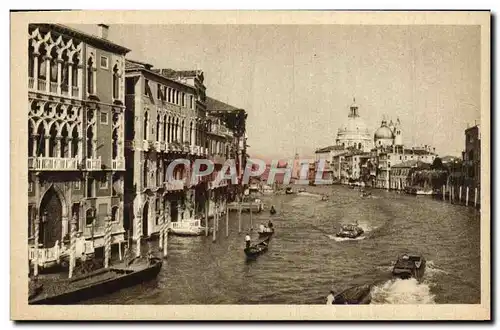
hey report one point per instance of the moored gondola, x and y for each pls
(97, 283)
(257, 249)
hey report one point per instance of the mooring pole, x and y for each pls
(467, 196)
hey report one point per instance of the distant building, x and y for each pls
(354, 132)
(472, 157)
(400, 174)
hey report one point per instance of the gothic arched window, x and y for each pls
(90, 76)
(116, 82)
(146, 125)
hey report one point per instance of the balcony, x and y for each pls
(118, 164)
(157, 146)
(145, 145)
(174, 185)
(218, 159)
(93, 164)
(52, 164)
(53, 87)
(42, 85)
(74, 91)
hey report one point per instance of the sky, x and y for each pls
(297, 81)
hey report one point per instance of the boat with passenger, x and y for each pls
(409, 266)
(257, 249)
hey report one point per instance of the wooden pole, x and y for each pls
(207, 205)
(72, 256)
(460, 194)
(239, 216)
(227, 220)
(165, 232)
(160, 232)
(251, 219)
(107, 242)
(444, 192)
(467, 196)
(450, 191)
(120, 250)
(214, 237)
(475, 197)
(37, 224)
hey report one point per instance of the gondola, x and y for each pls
(97, 283)
(257, 249)
(266, 233)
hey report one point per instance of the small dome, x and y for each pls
(383, 132)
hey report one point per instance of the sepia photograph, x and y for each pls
(253, 163)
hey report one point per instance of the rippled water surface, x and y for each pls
(305, 259)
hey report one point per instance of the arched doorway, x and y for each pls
(50, 219)
(145, 213)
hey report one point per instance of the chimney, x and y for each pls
(103, 31)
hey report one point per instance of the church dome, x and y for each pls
(383, 132)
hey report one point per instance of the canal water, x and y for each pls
(305, 259)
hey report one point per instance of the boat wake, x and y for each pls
(308, 194)
(343, 239)
(398, 291)
(432, 269)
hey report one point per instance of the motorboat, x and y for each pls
(189, 227)
(356, 295)
(409, 266)
(350, 231)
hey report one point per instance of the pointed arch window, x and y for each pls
(90, 76)
(116, 82)
(158, 128)
(146, 125)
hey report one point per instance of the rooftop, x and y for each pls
(412, 163)
(216, 105)
(329, 148)
(88, 38)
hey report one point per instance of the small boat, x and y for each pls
(356, 295)
(366, 194)
(289, 191)
(98, 282)
(301, 190)
(350, 231)
(187, 228)
(272, 211)
(324, 198)
(257, 249)
(266, 232)
(267, 190)
(408, 266)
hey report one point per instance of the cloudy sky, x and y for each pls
(297, 81)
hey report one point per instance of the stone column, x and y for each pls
(59, 65)
(69, 142)
(35, 71)
(47, 141)
(58, 152)
(35, 143)
(47, 73)
(72, 256)
(79, 80)
(70, 78)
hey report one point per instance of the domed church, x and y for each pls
(354, 132)
(388, 134)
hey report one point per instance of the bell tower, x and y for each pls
(354, 109)
(398, 135)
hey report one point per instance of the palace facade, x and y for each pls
(76, 163)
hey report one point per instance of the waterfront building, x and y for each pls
(472, 157)
(75, 140)
(400, 174)
(165, 121)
